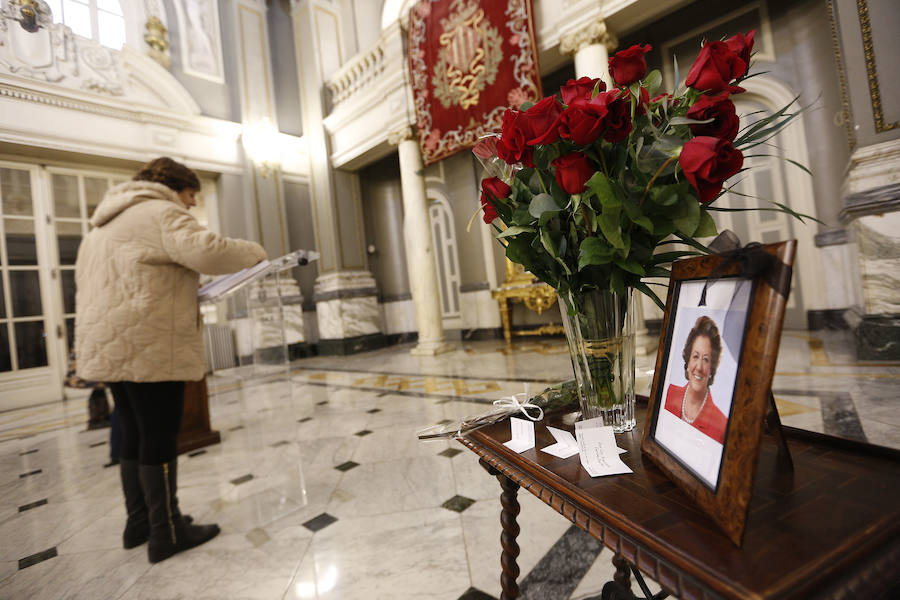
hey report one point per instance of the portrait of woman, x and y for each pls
(693, 403)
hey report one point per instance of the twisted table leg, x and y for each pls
(510, 505)
(623, 571)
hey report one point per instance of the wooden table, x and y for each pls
(828, 529)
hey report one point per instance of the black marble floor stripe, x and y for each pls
(96, 444)
(34, 504)
(196, 453)
(242, 479)
(32, 451)
(27, 474)
(560, 571)
(446, 397)
(549, 382)
(37, 557)
(839, 414)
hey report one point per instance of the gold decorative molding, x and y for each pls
(862, 7)
(594, 32)
(158, 40)
(845, 113)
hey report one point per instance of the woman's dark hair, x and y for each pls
(705, 327)
(170, 173)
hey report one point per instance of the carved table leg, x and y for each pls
(504, 318)
(510, 505)
(623, 571)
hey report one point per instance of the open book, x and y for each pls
(226, 284)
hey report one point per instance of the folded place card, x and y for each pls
(566, 445)
(522, 435)
(597, 448)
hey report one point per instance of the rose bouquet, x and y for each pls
(586, 185)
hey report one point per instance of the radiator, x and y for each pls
(218, 341)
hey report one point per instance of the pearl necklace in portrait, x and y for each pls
(700, 410)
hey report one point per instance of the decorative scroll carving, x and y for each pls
(53, 53)
(594, 32)
(401, 135)
(520, 286)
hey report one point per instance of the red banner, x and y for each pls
(469, 60)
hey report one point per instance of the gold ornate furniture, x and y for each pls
(521, 286)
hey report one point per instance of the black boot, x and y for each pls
(137, 527)
(169, 532)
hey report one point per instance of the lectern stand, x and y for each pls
(254, 400)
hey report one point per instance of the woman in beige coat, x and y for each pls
(138, 328)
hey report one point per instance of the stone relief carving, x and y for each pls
(201, 47)
(54, 54)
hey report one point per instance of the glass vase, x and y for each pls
(600, 334)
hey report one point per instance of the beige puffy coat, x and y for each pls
(136, 277)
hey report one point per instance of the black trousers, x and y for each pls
(150, 417)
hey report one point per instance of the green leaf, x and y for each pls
(520, 252)
(686, 215)
(542, 203)
(550, 247)
(657, 272)
(630, 265)
(666, 195)
(544, 155)
(663, 258)
(611, 228)
(652, 81)
(707, 227)
(634, 214)
(603, 190)
(616, 282)
(594, 252)
(645, 289)
(514, 230)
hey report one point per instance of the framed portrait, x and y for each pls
(710, 392)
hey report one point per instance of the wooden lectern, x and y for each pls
(196, 431)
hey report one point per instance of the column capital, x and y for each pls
(401, 135)
(594, 32)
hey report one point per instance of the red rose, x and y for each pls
(618, 115)
(572, 172)
(742, 45)
(540, 121)
(715, 67)
(628, 66)
(660, 97)
(583, 122)
(513, 144)
(725, 122)
(579, 90)
(492, 190)
(707, 162)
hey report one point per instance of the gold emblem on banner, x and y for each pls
(469, 56)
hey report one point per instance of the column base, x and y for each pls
(431, 348)
(878, 337)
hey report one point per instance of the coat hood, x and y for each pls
(126, 195)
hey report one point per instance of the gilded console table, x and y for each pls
(524, 287)
(828, 529)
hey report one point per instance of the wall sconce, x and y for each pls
(262, 141)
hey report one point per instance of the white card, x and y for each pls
(522, 435)
(565, 445)
(597, 449)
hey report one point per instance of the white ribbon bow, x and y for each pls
(513, 402)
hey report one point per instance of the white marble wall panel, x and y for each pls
(399, 317)
(843, 288)
(879, 254)
(479, 310)
(348, 317)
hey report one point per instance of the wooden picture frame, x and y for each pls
(711, 459)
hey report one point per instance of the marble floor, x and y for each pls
(323, 491)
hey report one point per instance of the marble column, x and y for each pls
(419, 246)
(590, 47)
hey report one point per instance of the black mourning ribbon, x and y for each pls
(753, 262)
